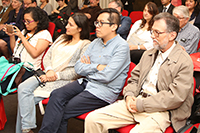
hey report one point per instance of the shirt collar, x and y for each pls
(167, 6)
(109, 41)
(184, 27)
(166, 53)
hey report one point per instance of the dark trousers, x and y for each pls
(67, 102)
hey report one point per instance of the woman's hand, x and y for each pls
(17, 32)
(55, 11)
(43, 78)
(51, 75)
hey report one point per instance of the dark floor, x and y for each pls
(10, 103)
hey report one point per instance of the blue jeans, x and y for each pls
(26, 114)
(66, 102)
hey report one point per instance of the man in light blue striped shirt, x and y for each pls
(104, 67)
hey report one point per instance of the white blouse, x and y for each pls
(144, 35)
(21, 52)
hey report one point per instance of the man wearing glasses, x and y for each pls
(189, 35)
(160, 90)
(104, 68)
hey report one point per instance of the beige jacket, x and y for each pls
(5, 16)
(174, 85)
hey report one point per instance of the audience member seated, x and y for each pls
(30, 3)
(189, 35)
(59, 64)
(73, 4)
(84, 4)
(193, 6)
(139, 38)
(46, 6)
(160, 90)
(124, 28)
(104, 68)
(60, 16)
(92, 12)
(15, 19)
(166, 6)
(5, 9)
(32, 41)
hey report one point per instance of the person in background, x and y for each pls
(141, 30)
(104, 68)
(194, 12)
(46, 6)
(84, 4)
(159, 92)
(124, 28)
(92, 12)
(15, 19)
(5, 9)
(59, 16)
(29, 3)
(73, 4)
(32, 41)
(166, 6)
(59, 64)
(189, 35)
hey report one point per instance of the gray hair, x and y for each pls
(182, 11)
(171, 21)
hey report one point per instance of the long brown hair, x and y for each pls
(153, 10)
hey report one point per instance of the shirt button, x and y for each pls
(99, 56)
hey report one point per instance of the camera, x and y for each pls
(14, 60)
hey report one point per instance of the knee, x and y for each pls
(23, 89)
(91, 118)
(2, 43)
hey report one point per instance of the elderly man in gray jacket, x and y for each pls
(159, 92)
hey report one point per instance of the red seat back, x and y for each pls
(135, 15)
(51, 28)
(124, 13)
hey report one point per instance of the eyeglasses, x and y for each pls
(100, 24)
(27, 22)
(156, 33)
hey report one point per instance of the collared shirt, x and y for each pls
(188, 37)
(149, 85)
(167, 7)
(108, 83)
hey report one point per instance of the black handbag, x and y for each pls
(37, 74)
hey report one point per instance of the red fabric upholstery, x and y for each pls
(195, 125)
(198, 45)
(136, 15)
(51, 28)
(124, 13)
(3, 118)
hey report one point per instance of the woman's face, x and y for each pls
(29, 22)
(61, 3)
(16, 4)
(147, 16)
(190, 4)
(71, 28)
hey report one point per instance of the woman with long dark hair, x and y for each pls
(193, 6)
(141, 30)
(59, 64)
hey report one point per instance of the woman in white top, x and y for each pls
(141, 29)
(59, 64)
(33, 40)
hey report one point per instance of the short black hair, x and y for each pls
(40, 16)
(114, 16)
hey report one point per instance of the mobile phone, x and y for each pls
(9, 28)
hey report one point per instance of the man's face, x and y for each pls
(165, 2)
(182, 20)
(104, 30)
(5, 3)
(28, 3)
(159, 35)
(115, 6)
(94, 2)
